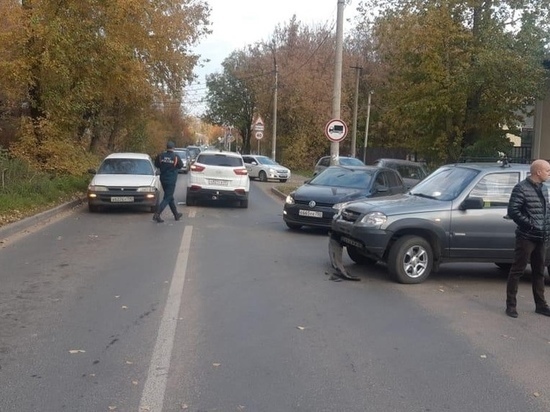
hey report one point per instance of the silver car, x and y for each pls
(264, 168)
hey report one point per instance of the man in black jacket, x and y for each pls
(169, 163)
(528, 208)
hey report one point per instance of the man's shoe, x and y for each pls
(512, 312)
(157, 218)
(178, 216)
(543, 311)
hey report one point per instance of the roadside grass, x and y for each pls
(25, 193)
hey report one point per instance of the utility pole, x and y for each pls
(337, 87)
(356, 103)
(276, 86)
(367, 129)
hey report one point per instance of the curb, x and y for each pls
(278, 193)
(23, 224)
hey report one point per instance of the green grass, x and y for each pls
(34, 193)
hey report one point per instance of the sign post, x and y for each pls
(259, 128)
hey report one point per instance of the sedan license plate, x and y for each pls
(218, 182)
(122, 199)
(310, 213)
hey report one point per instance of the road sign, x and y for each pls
(336, 130)
(259, 135)
(259, 125)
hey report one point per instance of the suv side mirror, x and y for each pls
(472, 202)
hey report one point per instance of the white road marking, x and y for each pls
(152, 397)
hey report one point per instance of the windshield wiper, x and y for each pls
(424, 195)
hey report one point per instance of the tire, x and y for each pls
(504, 266)
(283, 180)
(358, 258)
(93, 208)
(410, 260)
(243, 204)
(262, 176)
(293, 226)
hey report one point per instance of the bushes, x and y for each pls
(24, 191)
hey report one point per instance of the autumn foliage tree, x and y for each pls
(87, 73)
(455, 72)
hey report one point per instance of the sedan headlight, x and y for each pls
(148, 189)
(289, 200)
(93, 188)
(373, 219)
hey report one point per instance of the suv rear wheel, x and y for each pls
(410, 259)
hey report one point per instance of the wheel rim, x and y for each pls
(415, 261)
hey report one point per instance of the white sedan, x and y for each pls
(264, 168)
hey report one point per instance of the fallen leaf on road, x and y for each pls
(135, 382)
(483, 356)
(300, 327)
(216, 364)
(124, 307)
(112, 408)
(129, 362)
(73, 351)
(536, 394)
(117, 296)
(184, 406)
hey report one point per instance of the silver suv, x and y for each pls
(455, 214)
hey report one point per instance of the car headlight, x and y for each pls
(148, 189)
(289, 200)
(373, 219)
(93, 188)
(271, 171)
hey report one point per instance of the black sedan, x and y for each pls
(312, 204)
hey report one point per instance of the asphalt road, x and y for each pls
(228, 310)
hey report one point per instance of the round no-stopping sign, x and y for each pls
(259, 135)
(336, 130)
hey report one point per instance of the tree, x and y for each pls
(456, 72)
(95, 66)
(230, 99)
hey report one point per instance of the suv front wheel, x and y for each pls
(410, 259)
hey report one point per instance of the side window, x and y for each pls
(247, 159)
(381, 180)
(325, 161)
(394, 180)
(495, 189)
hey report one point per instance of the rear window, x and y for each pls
(219, 159)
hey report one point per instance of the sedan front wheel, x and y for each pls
(410, 259)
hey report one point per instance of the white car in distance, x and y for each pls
(265, 168)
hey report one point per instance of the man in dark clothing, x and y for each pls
(528, 208)
(169, 163)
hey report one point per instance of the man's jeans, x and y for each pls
(525, 251)
(168, 199)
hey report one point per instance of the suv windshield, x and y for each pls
(342, 177)
(445, 184)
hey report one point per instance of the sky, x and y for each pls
(238, 23)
